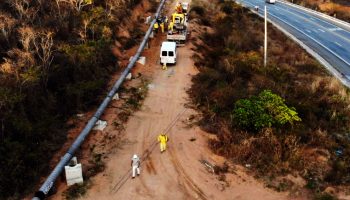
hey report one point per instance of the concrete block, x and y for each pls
(142, 60)
(116, 97)
(80, 115)
(100, 125)
(74, 172)
(148, 19)
(128, 77)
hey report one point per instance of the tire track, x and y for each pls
(187, 179)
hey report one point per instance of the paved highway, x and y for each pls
(329, 41)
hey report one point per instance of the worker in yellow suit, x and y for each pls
(163, 139)
(162, 26)
(156, 27)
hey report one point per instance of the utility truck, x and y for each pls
(270, 1)
(177, 29)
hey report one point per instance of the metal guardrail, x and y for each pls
(319, 58)
(47, 185)
(342, 24)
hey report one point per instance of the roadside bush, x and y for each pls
(263, 111)
(254, 125)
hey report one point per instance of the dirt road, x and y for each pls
(177, 173)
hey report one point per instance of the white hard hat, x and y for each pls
(135, 156)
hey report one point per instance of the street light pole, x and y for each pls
(265, 39)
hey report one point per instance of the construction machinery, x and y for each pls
(177, 28)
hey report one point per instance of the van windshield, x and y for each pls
(171, 53)
(164, 53)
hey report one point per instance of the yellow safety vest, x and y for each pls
(162, 138)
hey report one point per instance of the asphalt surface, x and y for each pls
(331, 42)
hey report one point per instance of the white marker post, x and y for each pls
(265, 40)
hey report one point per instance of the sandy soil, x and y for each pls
(178, 173)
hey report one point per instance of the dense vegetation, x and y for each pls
(288, 117)
(55, 58)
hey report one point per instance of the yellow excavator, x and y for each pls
(177, 28)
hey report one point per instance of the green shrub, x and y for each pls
(266, 110)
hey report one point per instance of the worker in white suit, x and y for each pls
(135, 164)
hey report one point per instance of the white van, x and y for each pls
(168, 53)
(270, 1)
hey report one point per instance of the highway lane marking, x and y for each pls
(335, 29)
(316, 24)
(312, 18)
(321, 30)
(315, 40)
(308, 30)
(302, 12)
(338, 44)
(277, 9)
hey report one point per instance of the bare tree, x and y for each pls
(23, 9)
(6, 25)
(79, 4)
(17, 63)
(27, 37)
(43, 45)
(58, 4)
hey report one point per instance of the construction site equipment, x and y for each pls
(49, 182)
(168, 53)
(177, 29)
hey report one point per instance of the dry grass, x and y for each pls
(232, 69)
(337, 8)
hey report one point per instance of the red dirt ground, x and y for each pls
(177, 173)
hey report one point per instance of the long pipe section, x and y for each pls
(45, 188)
